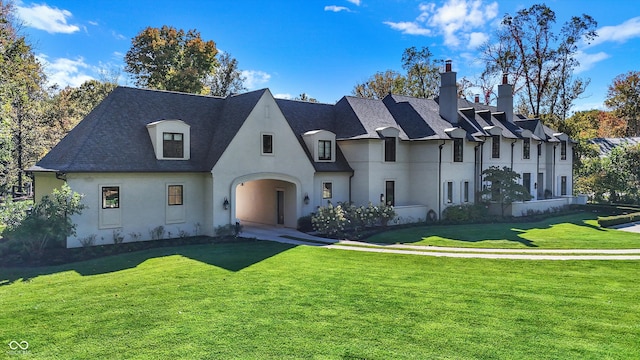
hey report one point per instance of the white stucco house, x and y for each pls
(145, 158)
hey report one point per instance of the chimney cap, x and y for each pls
(447, 65)
(476, 99)
(505, 79)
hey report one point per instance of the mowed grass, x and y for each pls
(262, 300)
(574, 231)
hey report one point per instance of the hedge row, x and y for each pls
(608, 221)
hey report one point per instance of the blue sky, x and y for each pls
(322, 48)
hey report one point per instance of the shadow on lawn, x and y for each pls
(473, 233)
(229, 256)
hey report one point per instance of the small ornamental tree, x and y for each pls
(503, 187)
(49, 223)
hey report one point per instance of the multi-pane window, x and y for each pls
(390, 192)
(563, 150)
(465, 191)
(175, 195)
(324, 150)
(390, 149)
(457, 150)
(110, 197)
(526, 148)
(526, 181)
(327, 190)
(267, 144)
(563, 185)
(449, 192)
(495, 146)
(172, 145)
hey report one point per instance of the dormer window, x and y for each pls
(321, 145)
(563, 150)
(526, 148)
(458, 147)
(170, 139)
(172, 145)
(324, 150)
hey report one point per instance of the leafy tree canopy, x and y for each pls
(170, 59)
(503, 186)
(623, 98)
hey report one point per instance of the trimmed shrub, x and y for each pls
(305, 224)
(464, 213)
(609, 221)
(332, 220)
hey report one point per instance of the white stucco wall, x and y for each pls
(44, 183)
(143, 205)
(340, 189)
(243, 161)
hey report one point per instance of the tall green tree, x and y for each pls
(423, 73)
(170, 59)
(503, 187)
(22, 94)
(422, 78)
(623, 98)
(540, 61)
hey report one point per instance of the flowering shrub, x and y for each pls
(329, 220)
(332, 220)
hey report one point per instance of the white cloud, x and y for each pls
(94, 23)
(454, 20)
(587, 61)
(255, 78)
(283, 96)
(117, 35)
(618, 33)
(355, 2)
(336, 8)
(65, 72)
(476, 39)
(49, 19)
(410, 28)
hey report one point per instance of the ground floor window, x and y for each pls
(110, 197)
(327, 190)
(563, 185)
(465, 191)
(449, 192)
(175, 195)
(390, 192)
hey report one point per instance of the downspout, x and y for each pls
(350, 180)
(513, 143)
(553, 173)
(538, 154)
(476, 167)
(440, 180)
(481, 169)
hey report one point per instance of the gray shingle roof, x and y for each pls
(114, 138)
(608, 144)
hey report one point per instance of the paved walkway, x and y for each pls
(294, 237)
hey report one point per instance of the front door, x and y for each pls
(280, 206)
(526, 181)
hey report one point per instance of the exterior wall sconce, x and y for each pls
(382, 198)
(225, 204)
(306, 199)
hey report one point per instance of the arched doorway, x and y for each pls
(269, 199)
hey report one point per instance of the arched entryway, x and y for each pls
(270, 199)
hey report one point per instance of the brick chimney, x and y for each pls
(476, 99)
(505, 98)
(448, 99)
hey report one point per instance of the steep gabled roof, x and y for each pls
(306, 116)
(114, 138)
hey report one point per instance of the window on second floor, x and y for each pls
(172, 145)
(563, 150)
(458, 150)
(495, 146)
(390, 149)
(267, 144)
(324, 149)
(526, 148)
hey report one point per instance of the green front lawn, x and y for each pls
(575, 231)
(262, 300)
